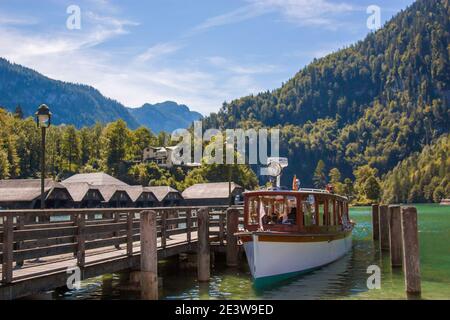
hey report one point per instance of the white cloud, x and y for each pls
(158, 50)
(300, 12)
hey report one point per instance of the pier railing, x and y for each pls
(80, 233)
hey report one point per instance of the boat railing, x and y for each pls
(313, 190)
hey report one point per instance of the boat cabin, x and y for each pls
(295, 211)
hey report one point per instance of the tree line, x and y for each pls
(111, 148)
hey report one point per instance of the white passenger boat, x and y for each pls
(292, 232)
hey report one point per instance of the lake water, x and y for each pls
(344, 279)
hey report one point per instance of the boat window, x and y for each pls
(253, 211)
(330, 212)
(309, 218)
(272, 210)
(321, 214)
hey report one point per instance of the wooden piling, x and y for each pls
(411, 258)
(375, 223)
(203, 252)
(383, 215)
(232, 241)
(149, 256)
(395, 235)
(8, 247)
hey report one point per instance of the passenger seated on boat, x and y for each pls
(292, 216)
(266, 219)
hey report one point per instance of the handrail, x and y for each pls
(21, 240)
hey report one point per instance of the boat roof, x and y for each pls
(302, 191)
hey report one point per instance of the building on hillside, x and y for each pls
(163, 157)
(212, 194)
(142, 197)
(84, 195)
(26, 194)
(167, 196)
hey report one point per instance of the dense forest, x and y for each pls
(374, 103)
(112, 148)
(422, 177)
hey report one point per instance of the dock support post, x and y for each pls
(375, 223)
(8, 247)
(203, 253)
(395, 235)
(411, 258)
(232, 242)
(149, 256)
(384, 227)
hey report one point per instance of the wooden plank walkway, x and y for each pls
(115, 245)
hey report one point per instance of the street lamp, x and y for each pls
(43, 119)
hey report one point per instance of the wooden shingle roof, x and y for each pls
(162, 192)
(135, 192)
(78, 190)
(25, 190)
(96, 179)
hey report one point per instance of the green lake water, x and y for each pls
(343, 279)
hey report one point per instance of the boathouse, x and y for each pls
(211, 194)
(142, 197)
(84, 195)
(167, 196)
(26, 194)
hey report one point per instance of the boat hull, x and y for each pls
(279, 257)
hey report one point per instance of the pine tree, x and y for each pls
(319, 175)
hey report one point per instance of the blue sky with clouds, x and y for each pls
(197, 52)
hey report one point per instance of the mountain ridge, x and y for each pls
(373, 103)
(75, 103)
(165, 116)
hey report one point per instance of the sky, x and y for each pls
(195, 52)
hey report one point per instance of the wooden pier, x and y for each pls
(35, 257)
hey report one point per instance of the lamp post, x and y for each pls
(43, 117)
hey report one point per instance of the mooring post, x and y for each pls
(375, 223)
(149, 256)
(395, 235)
(411, 258)
(8, 248)
(232, 242)
(203, 253)
(384, 227)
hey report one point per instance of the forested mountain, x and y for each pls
(422, 177)
(373, 103)
(70, 103)
(81, 105)
(166, 116)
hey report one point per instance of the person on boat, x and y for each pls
(293, 215)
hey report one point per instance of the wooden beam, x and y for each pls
(8, 247)
(232, 241)
(411, 257)
(81, 250)
(395, 235)
(384, 227)
(149, 256)
(203, 252)
(375, 223)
